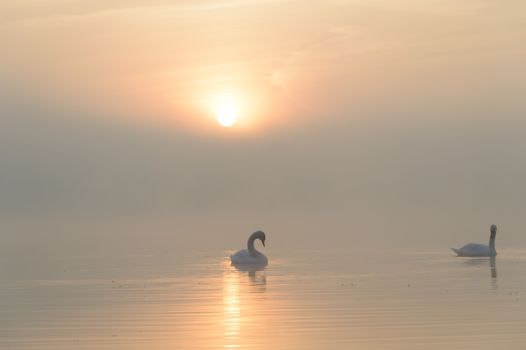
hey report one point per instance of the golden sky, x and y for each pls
(285, 61)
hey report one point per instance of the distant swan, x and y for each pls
(475, 249)
(251, 256)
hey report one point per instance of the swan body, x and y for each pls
(475, 249)
(251, 256)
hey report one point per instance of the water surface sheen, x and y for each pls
(308, 300)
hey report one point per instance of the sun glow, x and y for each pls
(227, 114)
(227, 110)
(237, 110)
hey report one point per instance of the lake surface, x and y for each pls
(303, 300)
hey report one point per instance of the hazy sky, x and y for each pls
(385, 122)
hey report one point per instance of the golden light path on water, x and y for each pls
(232, 317)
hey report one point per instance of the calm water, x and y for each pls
(304, 300)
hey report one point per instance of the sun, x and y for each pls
(226, 111)
(227, 115)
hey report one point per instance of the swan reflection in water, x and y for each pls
(482, 261)
(256, 276)
(492, 268)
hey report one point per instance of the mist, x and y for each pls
(69, 184)
(371, 137)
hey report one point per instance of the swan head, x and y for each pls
(493, 230)
(260, 235)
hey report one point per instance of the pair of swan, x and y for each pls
(251, 256)
(475, 249)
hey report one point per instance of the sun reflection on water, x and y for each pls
(231, 310)
(241, 287)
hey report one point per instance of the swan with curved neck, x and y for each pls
(251, 256)
(475, 249)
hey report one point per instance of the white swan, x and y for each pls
(251, 256)
(475, 249)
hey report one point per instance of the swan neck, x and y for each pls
(492, 245)
(250, 245)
